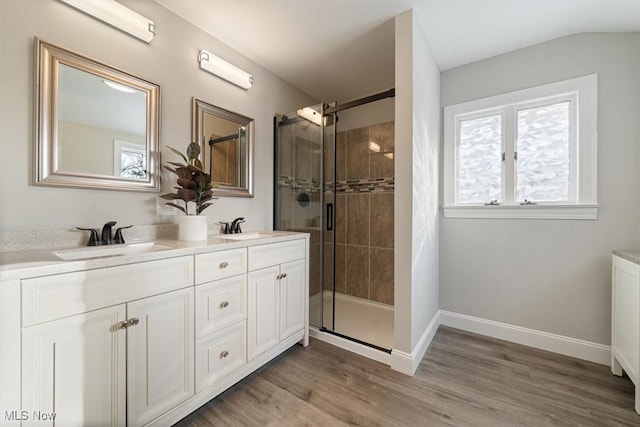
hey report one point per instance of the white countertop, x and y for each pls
(35, 263)
(633, 256)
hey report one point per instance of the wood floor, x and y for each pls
(463, 380)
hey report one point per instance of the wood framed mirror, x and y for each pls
(226, 140)
(96, 126)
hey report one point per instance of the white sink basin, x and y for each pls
(245, 236)
(110, 250)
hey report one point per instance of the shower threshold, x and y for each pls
(329, 331)
(353, 346)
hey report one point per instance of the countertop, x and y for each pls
(633, 256)
(35, 263)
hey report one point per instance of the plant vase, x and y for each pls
(192, 228)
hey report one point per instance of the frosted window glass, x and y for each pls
(132, 164)
(479, 160)
(543, 153)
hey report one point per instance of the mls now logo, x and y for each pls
(26, 415)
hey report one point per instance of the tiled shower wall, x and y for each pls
(364, 205)
(364, 214)
(224, 163)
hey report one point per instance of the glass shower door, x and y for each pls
(335, 180)
(361, 198)
(298, 195)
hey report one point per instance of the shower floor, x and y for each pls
(365, 320)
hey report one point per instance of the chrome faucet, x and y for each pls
(105, 237)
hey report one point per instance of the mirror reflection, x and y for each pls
(96, 126)
(226, 148)
(101, 126)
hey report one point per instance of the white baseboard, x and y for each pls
(408, 363)
(567, 346)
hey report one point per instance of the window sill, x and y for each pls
(523, 212)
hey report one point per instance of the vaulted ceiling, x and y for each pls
(344, 49)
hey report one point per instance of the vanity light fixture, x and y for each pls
(310, 114)
(221, 68)
(118, 16)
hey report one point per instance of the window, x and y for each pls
(129, 160)
(525, 154)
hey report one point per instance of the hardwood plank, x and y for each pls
(464, 380)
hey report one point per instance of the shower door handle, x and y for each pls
(329, 216)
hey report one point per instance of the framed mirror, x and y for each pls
(226, 142)
(96, 126)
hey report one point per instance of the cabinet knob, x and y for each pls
(123, 324)
(133, 321)
(224, 264)
(224, 354)
(284, 275)
(224, 304)
(279, 276)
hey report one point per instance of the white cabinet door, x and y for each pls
(292, 295)
(75, 368)
(263, 308)
(159, 355)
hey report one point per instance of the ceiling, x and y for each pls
(344, 49)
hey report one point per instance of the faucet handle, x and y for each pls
(238, 229)
(93, 237)
(118, 237)
(226, 226)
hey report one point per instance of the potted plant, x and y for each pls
(193, 187)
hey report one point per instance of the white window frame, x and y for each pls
(582, 92)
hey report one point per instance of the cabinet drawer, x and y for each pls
(219, 354)
(53, 297)
(276, 253)
(220, 304)
(218, 265)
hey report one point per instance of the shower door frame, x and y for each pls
(333, 109)
(326, 218)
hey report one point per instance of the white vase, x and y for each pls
(192, 227)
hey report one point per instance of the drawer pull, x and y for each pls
(126, 323)
(224, 354)
(224, 264)
(224, 304)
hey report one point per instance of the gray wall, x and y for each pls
(170, 60)
(552, 275)
(416, 183)
(425, 218)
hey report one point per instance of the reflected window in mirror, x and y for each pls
(226, 140)
(96, 126)
(129, 160)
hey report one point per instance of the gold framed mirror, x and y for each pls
(96, 126)
(226, 140)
